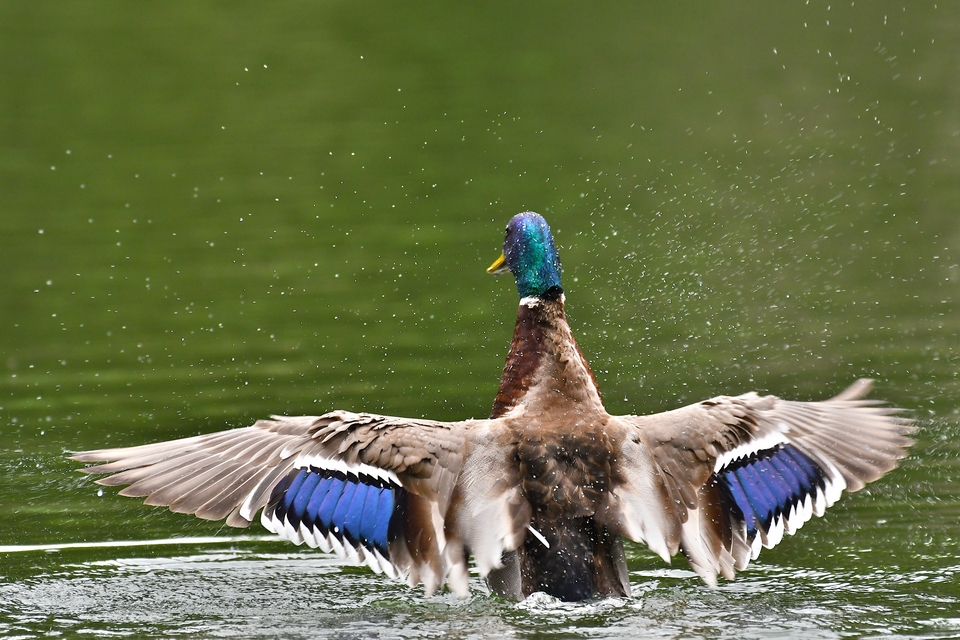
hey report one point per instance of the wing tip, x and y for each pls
(98, 455)
(91, 470)
(856, 391)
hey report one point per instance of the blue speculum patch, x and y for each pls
(358, 508)
(769, 484)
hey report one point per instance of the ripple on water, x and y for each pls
(236, 592)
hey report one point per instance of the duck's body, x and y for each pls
(542, 492)
(558, 435)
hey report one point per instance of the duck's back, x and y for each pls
(567, 553)
(559, 445)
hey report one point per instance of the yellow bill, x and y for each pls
(499, 266)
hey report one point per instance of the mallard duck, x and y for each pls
(541, 493)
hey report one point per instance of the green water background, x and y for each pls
(210, 213)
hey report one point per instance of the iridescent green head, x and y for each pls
(530, 255)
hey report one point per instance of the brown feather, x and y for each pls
(523, 359)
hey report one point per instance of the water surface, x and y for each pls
(213, 214)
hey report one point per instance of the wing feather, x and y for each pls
(737, 473)
(400, 473)
(492, 513)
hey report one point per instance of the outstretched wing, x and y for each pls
(720, 479)
(374, 489)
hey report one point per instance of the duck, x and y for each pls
(543, 492)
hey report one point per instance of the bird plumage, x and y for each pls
(542, 492)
